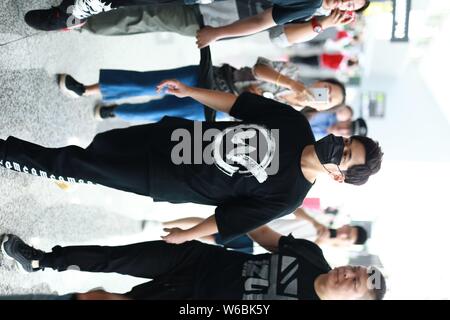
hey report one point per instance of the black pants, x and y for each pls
(173, 268)
(118, 159)
(313, 61)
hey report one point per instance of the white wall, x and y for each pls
(408, 199)
(414, 128)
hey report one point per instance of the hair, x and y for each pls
(350, 109)
(359, 174)
(340, 85)
(309, 112)
(361, 235)
(364, 7)
(377, 292)
(359, 127)
(344, 106)
(353, 62)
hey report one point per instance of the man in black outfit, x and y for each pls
(254, 171)
(295, 270)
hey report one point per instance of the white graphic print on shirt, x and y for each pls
(246, 141)
(274, 279)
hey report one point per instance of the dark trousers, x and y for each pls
(123, 3)
(89, 9)
(129, 3)
(173, 268)
(313, 61)
(118, 159)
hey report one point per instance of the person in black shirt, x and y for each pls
(74, 13)
(254, 171)
(296, 270)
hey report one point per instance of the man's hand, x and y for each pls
(206, 36)
(302, 93)
(336, 18)
(174, 87)
(176, 236)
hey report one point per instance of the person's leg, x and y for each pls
(84, 9)
(155, 110)
(74, 89)
(173, 268)
(38, 296)
(119, 84)
(183, 285)
(72, 14)
(93, 90)
(175, 18)
(171, 288)
(153, 259)
(116, 159)
(313, 61)
(122, 84)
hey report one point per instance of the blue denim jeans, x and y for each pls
(118, 84)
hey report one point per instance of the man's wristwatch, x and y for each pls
(317, 27)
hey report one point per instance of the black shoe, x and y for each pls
(70, 87)
(14, 248)
(53, 19)
(104, 112)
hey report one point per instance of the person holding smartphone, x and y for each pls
(281, 81)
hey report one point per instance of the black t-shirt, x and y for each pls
(251, 169)
(287, 275)
(285, 11)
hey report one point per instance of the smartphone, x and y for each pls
(321, 95)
